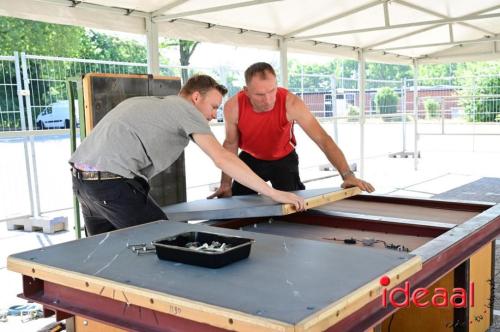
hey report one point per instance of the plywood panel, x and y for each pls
(414, 319)
(87, 325)
(399, 211)
(480, 274)
(102, 92)
(328, 234)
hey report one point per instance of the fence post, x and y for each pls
(403, 110)
(302, 81)
(23, 128)
(441, 107)
(333, 87)
(415, 112)
(34, 192)
(362, 116)
(474, 109)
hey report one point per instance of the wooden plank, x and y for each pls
(143, 76)
(355, 300)
(415, 319)
(323, 199)
(249, 206)
(327, 234)
(87, 325)
(87, 98)
(181, 307)
(400, 211)
(480, 273)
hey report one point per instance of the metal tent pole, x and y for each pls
(283, 62)
(153, 46)
(362, 117)
(415, 112)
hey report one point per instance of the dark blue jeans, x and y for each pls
(108, 205)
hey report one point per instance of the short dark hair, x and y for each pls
(259, 68)
(202, 84)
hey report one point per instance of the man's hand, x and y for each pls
(352, 181)
(223, 191)
(287, 197)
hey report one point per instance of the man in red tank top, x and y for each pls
(259, 120)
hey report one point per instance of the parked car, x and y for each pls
(220, 114)
(56, 115)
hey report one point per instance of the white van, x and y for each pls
(56, 115)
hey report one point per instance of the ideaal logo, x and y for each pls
(458, 298)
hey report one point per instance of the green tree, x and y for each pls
(186, 50)
(467, 69)
(36, 38)
(437, 70)
(387, 102)
(382, 71)
(484, 107)
(353, 113)
(340, 68)
(431, 108)
(99, 46)
(40, 38)
(479, 90)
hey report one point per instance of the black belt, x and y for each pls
(96, 176)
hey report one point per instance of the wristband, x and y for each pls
(346, 174)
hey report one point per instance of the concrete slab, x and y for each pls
(443, 183)
(44, 224)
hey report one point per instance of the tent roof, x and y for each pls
(391, 31)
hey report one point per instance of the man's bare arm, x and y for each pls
(232, 165)
(298, 111)
(230, 144)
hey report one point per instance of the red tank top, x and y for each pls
(265, 135)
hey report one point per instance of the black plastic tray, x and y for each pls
(173, 248)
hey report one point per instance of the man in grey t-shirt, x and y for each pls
(138, 139)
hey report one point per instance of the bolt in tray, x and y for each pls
(195, 248)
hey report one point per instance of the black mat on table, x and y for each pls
(284, 278)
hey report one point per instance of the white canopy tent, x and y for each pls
(389, 31)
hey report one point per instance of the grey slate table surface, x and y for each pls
(246, 206)
(284, 278)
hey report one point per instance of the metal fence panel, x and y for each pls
(47, 76)
(445, 106)
(15, 179)
(457, 105)
(10, 117)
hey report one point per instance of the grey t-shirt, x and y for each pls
(142, 136)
